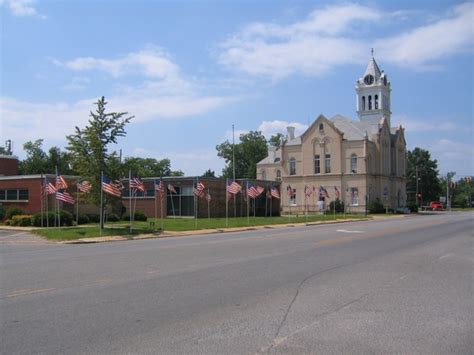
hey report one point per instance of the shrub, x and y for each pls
(376, 207)
(93, 218)
(83, 219)
(66, 218)
(22, 220)
(113, 218)
(339, 205)
(48, 218)
(8, 222)
(13, 211)
(140, 216)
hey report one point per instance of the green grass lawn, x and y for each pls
(177, 224)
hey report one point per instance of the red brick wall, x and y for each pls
(8, 166)
(34, 194)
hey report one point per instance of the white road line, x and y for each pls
(347, 231)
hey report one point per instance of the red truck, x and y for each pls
(436, 205)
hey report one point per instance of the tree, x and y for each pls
(209, 173)
(277, 140)
(38, 162)
(89, 147)
(421, 166)
(251, 149)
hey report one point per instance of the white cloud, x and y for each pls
(425, 44)
(77, 83)
(21, 7)
(270, 128)
(153, 61)
(328, 38)
(453, 156)
(192, 163)
(413, 125)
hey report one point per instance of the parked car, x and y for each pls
(436, 205)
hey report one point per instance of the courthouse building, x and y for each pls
(358, 160)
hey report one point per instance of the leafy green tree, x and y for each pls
(420, 164)
(251, 149)
(39, 162)
(89, 147)
(462, 192)
(277, 140)
(146, 167)
(209, 173)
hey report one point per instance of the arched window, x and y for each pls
(363, 103)
(376, 102)
(370, 102)
(327, 164)
(317, 164)
(354, 163)
(292, 166)
(278, 174)
(321, 127)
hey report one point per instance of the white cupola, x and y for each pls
(373, 94)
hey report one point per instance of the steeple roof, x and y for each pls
(373, 69)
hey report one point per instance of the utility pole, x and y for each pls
(416, 195)
(448, 180)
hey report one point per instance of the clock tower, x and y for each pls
(373, 94)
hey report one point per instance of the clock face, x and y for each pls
(369, 79)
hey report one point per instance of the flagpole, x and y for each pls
(57, 201)
(271, 201)
(101, 202)
(77, 202)
(226, 203)
(47, 207)
(172, 203)
(208, 204)
(130, 199)
(233, 169)
(248, 197)
(156, 193)
(42, 190)
(266, 198)
(163, 195)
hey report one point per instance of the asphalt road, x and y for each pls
(402, 285)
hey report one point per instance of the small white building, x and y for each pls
(357, 161)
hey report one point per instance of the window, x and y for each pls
(264, 175)
(327, 164)
(370, 102)
(293, 197)
(292, 166)
(363, 103)
(317, 164)
(376, 102)
(354, 196)
(278, 174)
(354, 164)
(321, 127)
(14, 195)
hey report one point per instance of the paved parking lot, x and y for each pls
(15, 237)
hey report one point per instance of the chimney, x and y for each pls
(290, 132)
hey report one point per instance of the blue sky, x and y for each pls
(188, 70)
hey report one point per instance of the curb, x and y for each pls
(203, 231)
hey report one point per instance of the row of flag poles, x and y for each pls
(114, 188)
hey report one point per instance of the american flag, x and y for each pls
(307, 191)
(84, 186)
(199, 190)
(274, 192)
(260, 189)
(137, 184)
(48, 187)
(252, 191)
(110, 188)
(336, 191)
(233, 187)
(171, 189)
(60, 182)
(160, 188)
(323, 192)
(63, 195)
